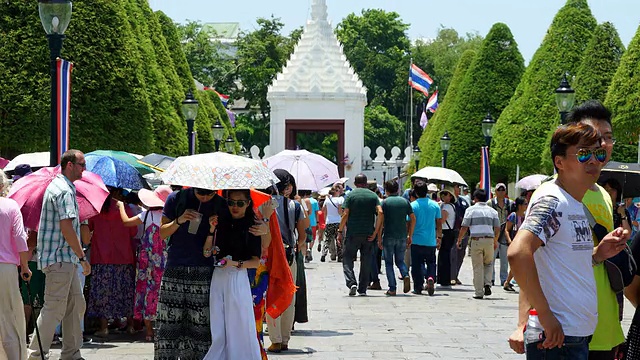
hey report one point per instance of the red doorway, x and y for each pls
(293, 127)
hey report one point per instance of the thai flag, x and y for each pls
(419, 80)
(432, 104)
(485, 171)
(63, 90)
(223, 98)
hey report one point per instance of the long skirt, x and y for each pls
(151, 263)
(259, 281)
(112, 291)
(183, 314)
(233, 328)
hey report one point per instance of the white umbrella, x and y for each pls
(531, 182)
(435, 174)
(219, 171)
(37, 159)
(311, 171)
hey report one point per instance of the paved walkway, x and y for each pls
(449, 325)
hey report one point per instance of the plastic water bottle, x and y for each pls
(533, 331)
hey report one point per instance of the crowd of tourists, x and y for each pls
(200, 271)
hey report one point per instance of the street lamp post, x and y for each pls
(445, 145)
(55, 16)
(230, 144)
(190, 111)
(565, 98)
(416, 156)
(399, 166)
(487, 129)
(384, 171)
(218, 133)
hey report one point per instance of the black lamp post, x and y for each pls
(445, 145)
(416, 156)
(55, 16)
(230, 144)
(384, 171)
(487, 129)
(190, 111)
(565, 98)
(218, 133)
(399, 166)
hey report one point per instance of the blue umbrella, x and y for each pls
(115, 173)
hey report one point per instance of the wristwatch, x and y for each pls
(82, 259)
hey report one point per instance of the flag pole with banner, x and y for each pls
(421, 81)
(485, 171)
(63, 84)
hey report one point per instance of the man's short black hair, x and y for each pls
(421, 188)
(590, 109)
(390, 187)
(480, 195)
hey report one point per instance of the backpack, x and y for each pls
(460, 206)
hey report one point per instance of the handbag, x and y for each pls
(621, 268)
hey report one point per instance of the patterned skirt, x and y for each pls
(112, 291)
(183, 313)
(259, 280)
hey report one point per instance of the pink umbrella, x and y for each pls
(3, 162)
(28, 192)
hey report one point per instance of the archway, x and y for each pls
(295, 127)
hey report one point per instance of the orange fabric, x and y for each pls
(258, 197)
(281, 286)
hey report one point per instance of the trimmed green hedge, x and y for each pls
(623, 98)
(487, 87)
(429, 142)
(521, 131)
(170, 33)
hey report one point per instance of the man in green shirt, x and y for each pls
(608, 334)
(359, 215)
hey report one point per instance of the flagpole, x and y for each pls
(411, 114)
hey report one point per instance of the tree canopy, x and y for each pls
(521, 131)
(487, 88)
(623, 98)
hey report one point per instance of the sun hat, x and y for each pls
(448, 189)
(432, 188)
(156, 198)
(501, 185)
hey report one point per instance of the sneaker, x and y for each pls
(390, 293)
(478, 297)
(86, 340)
(352, 290)
(333, 258)
(487, 290)
(323, 258)
(285, 347)
(407, 284)
(362, 294)
(430, 286)
(375, 286)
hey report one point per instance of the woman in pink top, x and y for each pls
(113, 269)
(13, 253)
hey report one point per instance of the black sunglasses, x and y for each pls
(204, 192)
(239, 203)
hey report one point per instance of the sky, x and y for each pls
(527, 19)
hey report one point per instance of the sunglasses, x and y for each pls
(204, 192)
(82, 165)
(238, 203)
(584, 155)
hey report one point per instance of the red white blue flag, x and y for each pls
(419, 80)
(485, 171)
(224, 98)
(432, 104)
(63, 85)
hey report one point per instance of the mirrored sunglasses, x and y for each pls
(585, 154)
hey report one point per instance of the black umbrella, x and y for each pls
(627, 174)
(158, 160)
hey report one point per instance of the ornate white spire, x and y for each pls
(318, 66)
(319, 10)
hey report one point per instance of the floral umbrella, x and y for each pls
(219, 171)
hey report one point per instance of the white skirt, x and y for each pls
(233, 327)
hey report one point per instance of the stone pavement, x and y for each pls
(449, 325)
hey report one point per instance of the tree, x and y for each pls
(381, 128)
(209, 60)
(521, 131)
(377, 46)
(487, 87)
(599, 63)
(623, 98)
(439, 57)
(170, 33)
(430, 140)
(109, 102)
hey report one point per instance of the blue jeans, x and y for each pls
(421, 255)
(574, 348)
(394, 249)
